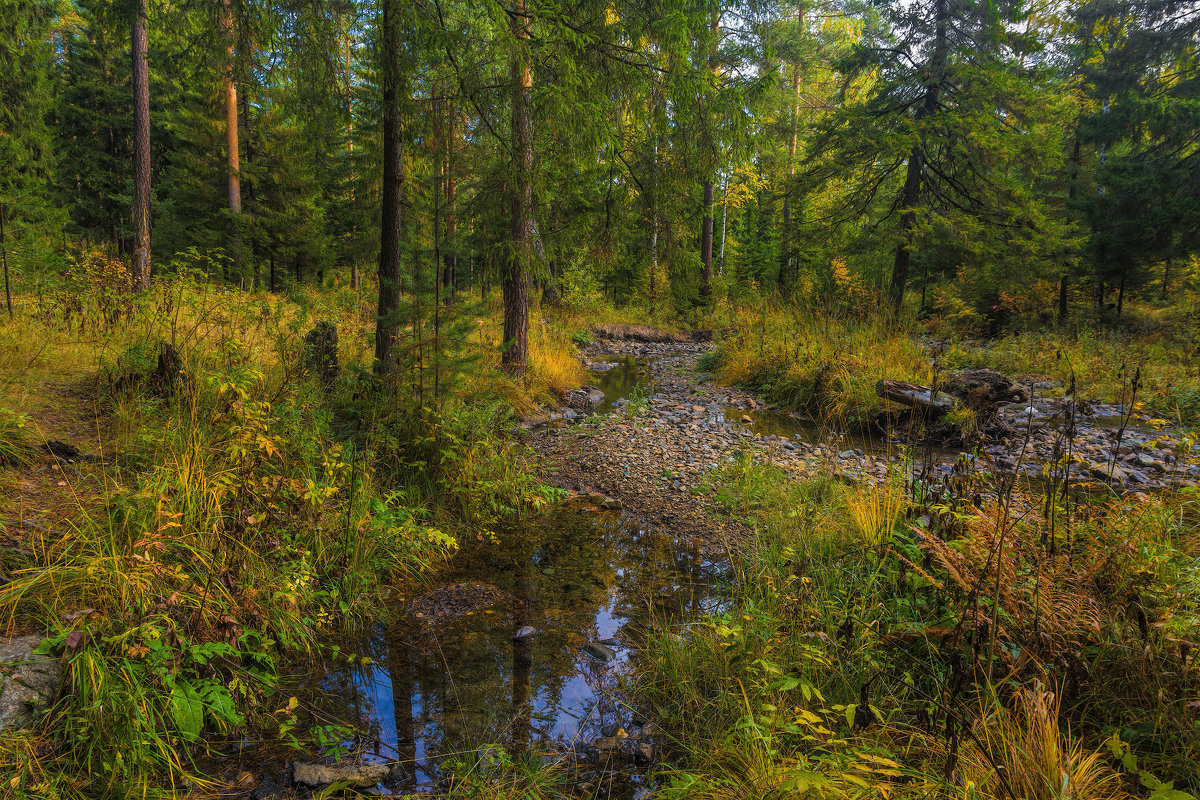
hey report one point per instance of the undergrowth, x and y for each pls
(237, 510)
(886, 642)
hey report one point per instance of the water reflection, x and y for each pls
(440, 692)
(618, 381)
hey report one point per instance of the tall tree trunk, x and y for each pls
(387, 324)
(450, 259)
(1073, 178)
(706, 241)
(231, 114)
(911, 195)
(141, 150)
(232, 157)
(786, 255)
(349, 76)
(706, 225)
(516, 272)
(653, 203)
(724, 225)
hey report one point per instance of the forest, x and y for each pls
(600, 399)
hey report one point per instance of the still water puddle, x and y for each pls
(619, 380)
(445, 687)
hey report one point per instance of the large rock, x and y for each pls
(358, 776)
(28, 682)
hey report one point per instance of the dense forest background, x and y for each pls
(982, 160)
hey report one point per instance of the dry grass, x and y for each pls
(1038, 759)
(801, 358)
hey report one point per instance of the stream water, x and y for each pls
(443, 689)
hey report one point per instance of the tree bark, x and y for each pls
(516, 272)
(141, 150)
(450, 259)
(349, 75)
(724, 225)
(706, 225)
(387, 325)
(911, 195)
(786, 256)
(706, 242)
(231, 114)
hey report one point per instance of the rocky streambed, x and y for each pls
(652, 451)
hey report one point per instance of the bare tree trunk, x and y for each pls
(516, 273)
(916, 161)
(387, 326)
(785, 267)
(141, 150)
(231, 115)
(354, 279)
(706, 241)
(450, 259)
(724, 225)
(706, 225)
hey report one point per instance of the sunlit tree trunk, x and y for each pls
(141, 150)
(516, 270)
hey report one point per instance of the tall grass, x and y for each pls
(806, 358)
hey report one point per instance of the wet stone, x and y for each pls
(600, 652)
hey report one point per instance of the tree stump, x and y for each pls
(321, 353)
(170, 374)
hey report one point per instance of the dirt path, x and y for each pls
(42, 498)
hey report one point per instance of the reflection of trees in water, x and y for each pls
(465, 682)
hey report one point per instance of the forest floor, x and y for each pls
(60, 476)
(655, 452)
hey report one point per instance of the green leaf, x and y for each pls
(188, 709)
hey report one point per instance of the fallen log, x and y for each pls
(914, 396)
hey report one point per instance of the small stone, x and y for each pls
(524, 632)
(600, 652)
(610, 504)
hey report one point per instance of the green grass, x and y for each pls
(837, 591)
